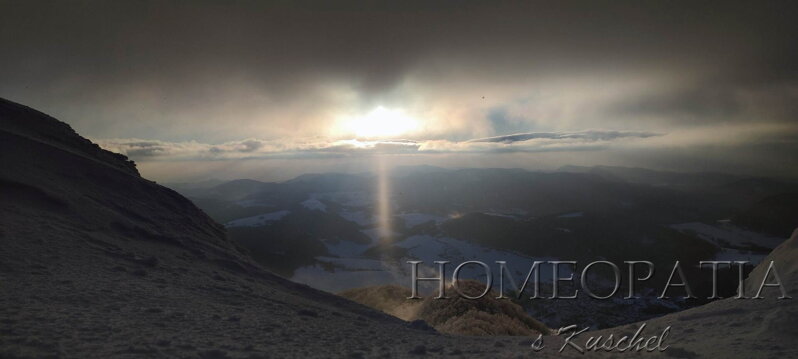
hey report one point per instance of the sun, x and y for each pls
(381, 122)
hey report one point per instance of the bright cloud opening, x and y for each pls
(381, 122)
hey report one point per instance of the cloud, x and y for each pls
(139, 149)
(280, 69)
(236, 80)
(319, 147)
(586, 135)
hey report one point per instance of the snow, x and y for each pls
(356, 264)
(314, 204)
(726, 234)
(259, 220)
(413, 219)
(512, 213)
(497, 214)
(345, 248)
(733, 240)
(360, 217)
(348, 198)
(372, 233)
(337, 274)
(253, 203)
(429, 249)
(348, 269)
(728, 254)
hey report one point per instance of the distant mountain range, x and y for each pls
(329, 221)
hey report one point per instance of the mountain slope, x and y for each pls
(99, 262)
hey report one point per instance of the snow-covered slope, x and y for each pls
(98, 262)
(738, 328)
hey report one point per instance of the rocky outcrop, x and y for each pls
(453, 315)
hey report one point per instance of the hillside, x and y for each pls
(739, 328)
(99, 262)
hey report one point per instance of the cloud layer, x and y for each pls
(195, 78)
(138, 149)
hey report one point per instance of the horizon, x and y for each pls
(163, 170)
(398, 170)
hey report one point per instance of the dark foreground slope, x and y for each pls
(97, 262)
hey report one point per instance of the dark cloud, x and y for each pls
(143, 149)
(710, 103)
(504, 122)
(217, 72)
(705, 103)
(286, 46)
(586, 135)
(250, 146)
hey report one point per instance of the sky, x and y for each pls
(193, 90)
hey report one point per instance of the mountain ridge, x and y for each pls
(91, 243)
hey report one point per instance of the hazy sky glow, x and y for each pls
(249, 89)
